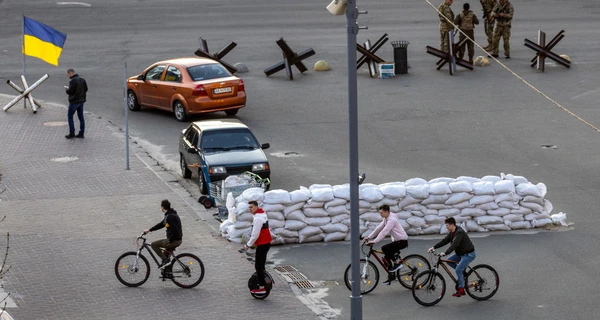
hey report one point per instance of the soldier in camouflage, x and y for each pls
(503, 14)
(466, 21)
(445, 26)
(488, 23)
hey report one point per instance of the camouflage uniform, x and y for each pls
(466, 21)
(488, 26)
(445, 26)
(502, 29)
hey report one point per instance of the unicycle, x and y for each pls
(253, 284)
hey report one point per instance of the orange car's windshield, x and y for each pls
(207, 72)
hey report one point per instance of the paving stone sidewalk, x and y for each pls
(71, 209)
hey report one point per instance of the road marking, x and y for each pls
(74, 3)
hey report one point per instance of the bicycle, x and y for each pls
(132, 268)
(412, 265)
(429, 286)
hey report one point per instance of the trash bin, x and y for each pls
(400, 56)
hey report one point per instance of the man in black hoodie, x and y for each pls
(464, 252)
(172, 222)
(76, 90)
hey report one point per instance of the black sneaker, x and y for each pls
(79, 136)
(70, 136)
(390, 279)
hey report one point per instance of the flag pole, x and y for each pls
(23, 52)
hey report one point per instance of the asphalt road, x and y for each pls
(424, 124)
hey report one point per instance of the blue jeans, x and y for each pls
(461, 264)
(76, 107)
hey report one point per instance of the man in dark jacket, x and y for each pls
(172, 222)
(76, 90)
(464, 252)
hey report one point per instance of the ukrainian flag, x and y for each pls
(42, 41)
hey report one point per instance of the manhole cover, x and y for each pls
(288, 154)
(64, 159)
(56, 123)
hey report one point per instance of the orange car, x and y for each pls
(186, 86)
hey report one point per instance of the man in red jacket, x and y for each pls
(261, 237)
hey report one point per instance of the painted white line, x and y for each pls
(74, 3)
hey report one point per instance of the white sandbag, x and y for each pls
(313, 204)
(403, 214)
(416, 222)
(449, 212)
(543, 189)
(223, 227)
(472, 226)
(291, 240)
(432, 212)
(532, 205)
(435, 229)
(468, 179)
(318, 221)
(488, 220)
(408, 200)
(335, 236)
(491, 178)
(481, 199)
(315, 238)
(404, 224)
(335, 227)
(333, 211)
(420, 191)
(246, 216)
(438, 206)
(458, 197)
(342, 191)
(294, 225)
(483, 188)
(472, 212)
(253, 194)
(371, 217)
(463, 205)
(511, 196)
(497, 227)
(548, 207)
(509, 204)
(241, 207)
(488, 206)
(275, 215)
(322, 194)
(319, 186)
(460, 219)
(521, 211)
(413, 231)
(277, 196)
(418, 213)
(308, 231)
(276, 223)
(277, 241)
(436, 199)
(292, 207)
(536, 216)
(340, 218)
(513, 217)
(441, 179)
(541, 223)
(234, 233)
(389, 201)
(415, 207)
(517, 179)
(362, 204)
(559, 219)
(460, 186)
(504, 186)
(283, 232)
(431, 219)
(516, 225)
(393, 190)
(415, 182)
(315, 212)
(274, 207)
(534, 199)
(369, 192)
(500, 212)
(528, 189)
(296, 215)
(300, 195)
(335, 202)
(439, 188)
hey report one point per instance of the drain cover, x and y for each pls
(285, 268)
(295, 277)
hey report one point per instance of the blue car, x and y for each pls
(216, 149)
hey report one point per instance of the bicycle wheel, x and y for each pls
(369, 278)
(132, 271)
(253, 284)
(412, 265)
(429, 288)
(188, 270)
(482, 282)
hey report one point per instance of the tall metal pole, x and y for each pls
(126, 116)
(356, 298)
(23, 53)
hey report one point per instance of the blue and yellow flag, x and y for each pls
(42, 41)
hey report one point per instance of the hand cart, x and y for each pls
(219, 190)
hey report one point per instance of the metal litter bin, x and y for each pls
(400, 56)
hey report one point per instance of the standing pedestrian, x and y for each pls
(488, 22)
(503, 14)
(261, 237)
(76, 90)
(466, 21)
(445, 25)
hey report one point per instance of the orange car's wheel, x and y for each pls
(132, 101)
(180, 112)
(231, 112)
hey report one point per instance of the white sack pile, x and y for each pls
(322, 212)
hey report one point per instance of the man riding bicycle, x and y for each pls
(390, 225)
(172, 223)
(464, 252)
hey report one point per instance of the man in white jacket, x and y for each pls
(390, 225)
(261, 237)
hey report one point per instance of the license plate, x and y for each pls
(222, 90)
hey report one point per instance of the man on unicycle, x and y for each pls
(261, 237)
